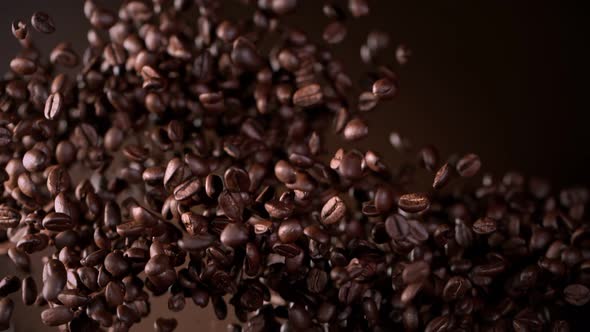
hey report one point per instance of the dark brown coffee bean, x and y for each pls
(42, 22)
(6, 309)
(187, 189)
(176, 302)
(385, 88)
(213, 185)
(57, 315)
(57, 222)
(416, 272)
(19, 29)
(63, 55)
(333, 211)
(355, 129)
(9, 217)
(165, 324)
(9, 285)
(576, 294)
(116, 264)
(35, 160)
(414, 203)
(334, 33)
(244, 54)
(232, 205)
(442, 176)
(351, 165)
(72, 298)
(455, 288)
(278, 209)
(438, 324)
(308, 96)
(484, 225)
(5, 137)
(19, 258)
(127, 314)
(29, 291)
(397, 227)
(234, 235)
(23, 66)
(236, 179)
(290, 231)
(469, 165)
(58, 180)
(282, 7)
(287, 250)
(367, 101)
(317, 280)
(358, 8)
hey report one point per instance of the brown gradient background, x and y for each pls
(505, 79)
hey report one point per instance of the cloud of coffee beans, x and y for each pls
(183, 158)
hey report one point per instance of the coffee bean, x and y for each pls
(576, 294)
(469, 165)
(9, 285)
(367, 101)
(6, 308)
(397, 227)
(187, 189)
(308, 96)
(414, 202)
(58, 180)
(358, 8)
(438, 324)
(333, 211)
(29, 291)
(245, 55)
(116, 264)
(57, 222)
(9, 217)
(64, 55)
(416, 272)
(232, 205)
(236, 179)
(23, 66)
(57, 315)
(42, 22)
(234, 235)
(351, 165)
(334, 33)
(282, 7)
(279, 210)
(19, 258)
(484, 226)
(384, 88)
(72, 298)
(287, 250)
(290, 231)
(165, 324)
(19, 29)
(442, 176)
(355, 129)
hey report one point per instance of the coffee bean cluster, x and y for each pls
(184, 158)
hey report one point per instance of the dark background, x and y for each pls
(504, 79)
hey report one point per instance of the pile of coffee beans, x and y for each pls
(183, 155)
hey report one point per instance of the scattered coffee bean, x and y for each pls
(42, 22)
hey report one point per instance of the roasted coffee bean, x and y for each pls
(116, 264)
(19, 258)
(234, 235)
(245, 54)
(484, 225)
(9, 217)
(9, 285)
(6, 308)
(308, 96)
(72, 298)
(576, 294)
(358, 8)
(57, 315)
(442, 176)
(334, 33)
(397, 227)
(287, 250)
(19, 29)
(414, 203)
(23, 66)
(384, 88)
(29, 291)
(333, 211)
(351, 165)
(42, 22)
(290, 231)
(438, 324)
(165, 324)
(57, 222)
(355, 129)
(469, 165)
(416, 272)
